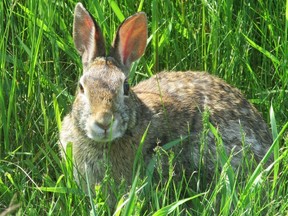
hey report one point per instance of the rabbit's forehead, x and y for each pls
(103, 79)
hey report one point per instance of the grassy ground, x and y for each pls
(244, 42)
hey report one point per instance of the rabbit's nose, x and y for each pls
(104, 126)
(104, 120)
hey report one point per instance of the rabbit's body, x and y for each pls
(107, 121)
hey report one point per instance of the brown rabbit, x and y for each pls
(108, 118)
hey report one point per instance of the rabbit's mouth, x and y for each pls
(100, 133)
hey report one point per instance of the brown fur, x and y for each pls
(171, 102)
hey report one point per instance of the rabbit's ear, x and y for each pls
(87, 35)
(131, 38)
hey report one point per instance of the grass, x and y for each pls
(244, 43)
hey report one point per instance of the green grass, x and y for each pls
(244, 43)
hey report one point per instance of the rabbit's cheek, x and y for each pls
(117, 129)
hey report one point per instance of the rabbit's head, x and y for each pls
(101, 107)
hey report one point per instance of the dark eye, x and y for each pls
(81, 88)
(126, 87)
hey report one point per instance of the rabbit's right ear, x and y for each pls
(130, 41)
(87, 35)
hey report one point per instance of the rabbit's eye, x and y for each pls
(126, 88)
(81, 88)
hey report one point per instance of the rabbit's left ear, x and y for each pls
(87, 35)
(130, 41)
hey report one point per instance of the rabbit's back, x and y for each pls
(176, 102)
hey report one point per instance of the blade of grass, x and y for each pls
(140, 7)
(268, 54)
(151, 166)
(276, 148)
(225, 163)
(170, 208)
(116, 10)
(255, 176)
(155, 33)
(138, 157)
(130, 207)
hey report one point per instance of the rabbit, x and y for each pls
(109, 117)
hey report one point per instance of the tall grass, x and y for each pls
(244, 42)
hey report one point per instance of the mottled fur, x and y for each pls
(106, 126)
